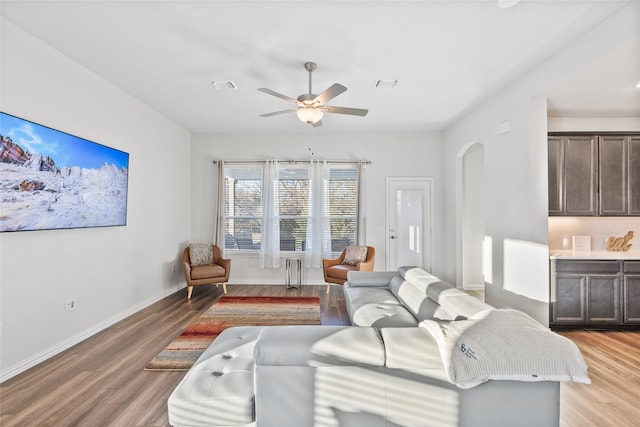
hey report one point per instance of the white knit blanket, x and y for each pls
(505, 344)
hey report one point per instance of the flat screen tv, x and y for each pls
(53, 180)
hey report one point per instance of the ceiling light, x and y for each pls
(505, 4)
(638, 85)
(309, 115)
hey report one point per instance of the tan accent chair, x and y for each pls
(208, 274)
(336, 272)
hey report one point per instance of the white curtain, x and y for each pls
(270, 246)
(318, 237)
(361, 231)
(218, 231)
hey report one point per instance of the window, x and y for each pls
(242, 207)
(343, 207)
(293, 207)
(334, 209)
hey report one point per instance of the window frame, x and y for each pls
(308, 217)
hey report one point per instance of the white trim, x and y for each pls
(423, 180)
(460, 210)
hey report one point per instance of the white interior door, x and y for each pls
(409, 222)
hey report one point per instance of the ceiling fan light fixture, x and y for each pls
(309, 115)
(311, 107)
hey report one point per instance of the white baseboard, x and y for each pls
(47, 353)
(474, 287)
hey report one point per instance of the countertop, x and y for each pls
(568, 254)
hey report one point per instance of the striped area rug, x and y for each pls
(229, 311)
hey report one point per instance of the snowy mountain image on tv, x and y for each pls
(50, 179)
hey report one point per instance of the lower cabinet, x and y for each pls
(631, 292)
(595, 293)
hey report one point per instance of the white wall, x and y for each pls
(516, 169)
(594, 124)
(391, 155)
(112, 272)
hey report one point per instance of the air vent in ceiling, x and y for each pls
(385, 84)
(224, 84)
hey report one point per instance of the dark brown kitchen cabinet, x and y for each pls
(619, 175)
(585, 292)
(573, 168)
(634, 175)
(556, 172)
(595, 294)
(594, 175)
(631, 292)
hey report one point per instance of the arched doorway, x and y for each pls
(470, 221)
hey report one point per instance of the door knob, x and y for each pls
(393, 237)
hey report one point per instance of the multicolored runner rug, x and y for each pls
(229, 311)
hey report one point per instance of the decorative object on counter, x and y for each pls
(620, 243)
(582, 243)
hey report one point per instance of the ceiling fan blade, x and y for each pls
(333, 91)
(279, 112)
(344, 110)
(279, 95)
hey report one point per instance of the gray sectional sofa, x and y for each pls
(404, 298)
(385, 370)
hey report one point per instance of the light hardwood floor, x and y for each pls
(101, 381)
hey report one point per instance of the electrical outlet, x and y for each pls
(70, 304)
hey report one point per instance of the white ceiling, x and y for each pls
(446, 55)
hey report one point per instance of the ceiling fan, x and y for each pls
(312, 107)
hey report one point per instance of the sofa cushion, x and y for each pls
(355, 254)
(370, 278)
(415, 300)
(375, 306)
(200, 254)
(411, 273)
(380, 315)
(340, 271)
(220, 379)
(207, 271)
(319, 345)
(359, 296)
(460, 304)
(411, 349)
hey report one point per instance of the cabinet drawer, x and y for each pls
(632, 266)
(587, 267)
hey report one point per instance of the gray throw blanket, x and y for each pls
(505, 344)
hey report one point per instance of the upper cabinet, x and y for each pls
(634, 175)
(594, 175)
(573, 175)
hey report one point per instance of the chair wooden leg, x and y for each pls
(189, 291)
(328, 288)
(224, 287)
